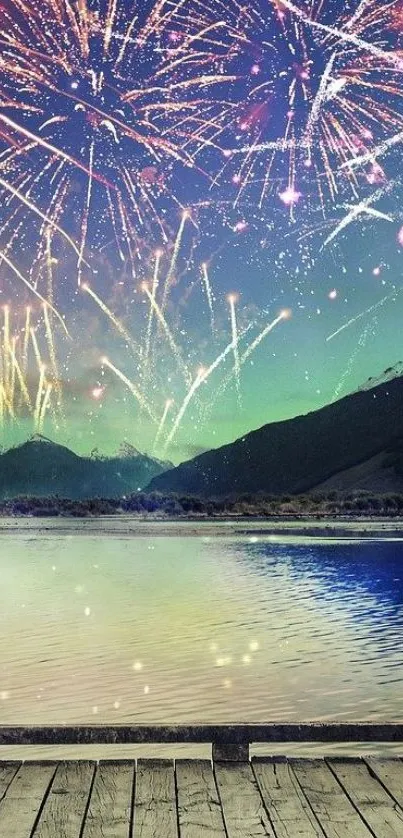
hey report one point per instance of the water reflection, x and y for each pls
(199, 629)
(362, 579)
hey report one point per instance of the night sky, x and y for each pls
(201, 216)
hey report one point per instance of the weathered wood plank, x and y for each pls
(230, 753)
(22, 802)
(199, 807)
(244, 813)
(333, 809)
(63, 813)
(8, 770)
(390, 773)
(288, 807)
(155, 812)
(374, 804)
(109, 812)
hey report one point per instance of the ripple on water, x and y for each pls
(222, 629)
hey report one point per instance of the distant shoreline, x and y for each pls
(135, 526)
(151, 506)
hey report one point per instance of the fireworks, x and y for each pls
(156, 156)
(99, 106)
(232, 299)
(323, 103)
(209, 293)
(30, 384)
(157, 346)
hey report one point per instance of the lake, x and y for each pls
(120, 621)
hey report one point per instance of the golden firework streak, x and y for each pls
(38, 400)
(175, 253)
(201, 377)
(34, 291)
(161, 425)
(132, 387)
(232, 298)
(112, 317)
(154, 288)
(171, 341)
(37, 211)
(45, 405)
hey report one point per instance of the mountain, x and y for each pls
(41, 467)
(306, 452)
(387, 375)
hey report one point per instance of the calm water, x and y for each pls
(223, 624)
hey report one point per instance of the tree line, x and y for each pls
(327, 504)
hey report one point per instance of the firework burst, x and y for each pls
(30, 384)
(100, 104)
(324, 90)
(170, 370)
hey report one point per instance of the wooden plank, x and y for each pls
(109, 812)
(65, 807)
(288, 807)
(244, 813)
(333, 809)
(230, 753)
(155, 811)
(23, 800)
(374, 804)
(234, 734)
(8, 771)
(390, 773)
(199, 807)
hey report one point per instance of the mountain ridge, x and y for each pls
(40, 467)
(299, 454)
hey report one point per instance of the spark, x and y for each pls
(284, 315)
(290, 196)
(104, 101)
(112, 317)
(6, 346)
(154, 287)
(374, 153)
(39, 394)
(362, 314)
(202, 376)
(175, 253)
(209, 293)
(362, 340)
(24, 200)
(52, 355)
(174, 347)
(33, 289)
(362, 208)
(84, 225)
(21, 380)
(232, 299)
(45, 405)
(344, 35)
(132, 387)
(37, 352)
(167, 407)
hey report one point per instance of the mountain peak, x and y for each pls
(299, 454)
(126, 450)
(41, 467)
(387, 375)
(40, 438)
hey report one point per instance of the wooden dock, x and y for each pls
(227, 797)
